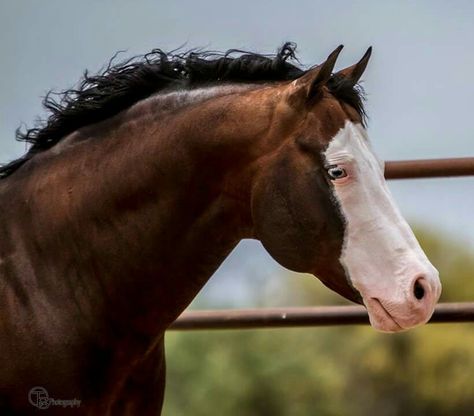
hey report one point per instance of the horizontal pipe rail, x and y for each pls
(429, 168)
(303, 317)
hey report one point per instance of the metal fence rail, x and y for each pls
(303, 317)
(337, 315)
(429, 168)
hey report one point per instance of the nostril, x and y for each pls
(419, 290)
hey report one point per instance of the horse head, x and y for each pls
(321, 205)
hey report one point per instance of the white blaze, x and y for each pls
(380, 254)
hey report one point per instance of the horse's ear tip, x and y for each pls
(335, 53)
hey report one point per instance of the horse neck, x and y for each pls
(172, 199)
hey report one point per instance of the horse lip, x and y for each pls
(386, 313)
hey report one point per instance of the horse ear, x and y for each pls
(354, 72)
(311, 83)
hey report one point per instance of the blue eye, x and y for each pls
(335, 172)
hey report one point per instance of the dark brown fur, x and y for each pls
(108, 236)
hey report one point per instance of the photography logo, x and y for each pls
(38, 397)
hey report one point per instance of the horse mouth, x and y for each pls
(381, 319)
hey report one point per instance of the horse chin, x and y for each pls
(380, 319)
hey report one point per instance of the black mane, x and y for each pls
(119, 86)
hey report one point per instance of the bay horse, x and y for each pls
(140, 183)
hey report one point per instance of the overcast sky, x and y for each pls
(419, 82)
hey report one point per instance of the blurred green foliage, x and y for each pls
(331, 371)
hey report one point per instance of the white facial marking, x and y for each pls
(380, 254)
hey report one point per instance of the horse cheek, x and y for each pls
(289, 218)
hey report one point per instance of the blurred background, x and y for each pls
(419, 87)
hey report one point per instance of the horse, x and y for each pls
(144, 178)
